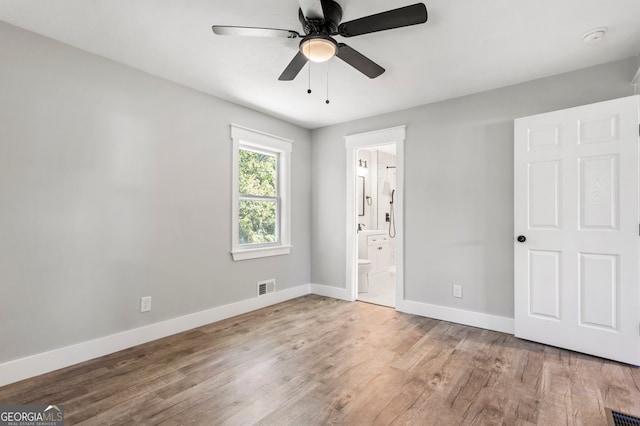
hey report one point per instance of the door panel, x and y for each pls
(544, 283)
(599, 189)
(598, 129)
(576, 186)
(599, 290)
(544, 195)
(546, 137)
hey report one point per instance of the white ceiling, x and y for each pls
(466, 46)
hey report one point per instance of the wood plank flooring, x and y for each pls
(316, 360)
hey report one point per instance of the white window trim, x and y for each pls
(247, 138)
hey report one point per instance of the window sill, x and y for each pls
(260, 252)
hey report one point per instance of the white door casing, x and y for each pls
(395, 135)
(576, 203)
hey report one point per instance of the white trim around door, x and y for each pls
(354, 142)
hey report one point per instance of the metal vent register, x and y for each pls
(615, 418)
(268, 286)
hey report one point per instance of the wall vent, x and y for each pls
(615, 418)
(267, 286)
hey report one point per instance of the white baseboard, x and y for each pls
(329, 291)
(23, 368)
(459, 316)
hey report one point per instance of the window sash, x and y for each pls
(250, 140)
(261, 199)
(274, 154)
(277, 203)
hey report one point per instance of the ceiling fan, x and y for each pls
(321, 21)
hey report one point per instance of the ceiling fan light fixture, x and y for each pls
(319, 49)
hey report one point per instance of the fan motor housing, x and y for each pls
(329, 25)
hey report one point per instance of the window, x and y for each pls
(258, 197)
(261, 195)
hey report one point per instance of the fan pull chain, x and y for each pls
(309, 63)
(327, 101)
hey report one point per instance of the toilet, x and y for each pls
(364, 266)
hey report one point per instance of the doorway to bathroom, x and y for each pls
(374, 216)
(376, 227)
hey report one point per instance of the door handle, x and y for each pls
(521, 238)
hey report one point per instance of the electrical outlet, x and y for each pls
(145, 304)
(457, 291)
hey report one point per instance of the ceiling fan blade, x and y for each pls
(253, 31)
(396, 18)
(311, 9)
(294, 67)
(360, 62)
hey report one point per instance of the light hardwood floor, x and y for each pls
(316, 360)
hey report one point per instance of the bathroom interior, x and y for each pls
(376, 230)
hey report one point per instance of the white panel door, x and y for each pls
(577, 230)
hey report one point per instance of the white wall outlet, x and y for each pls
(145, 304)
(457, 291)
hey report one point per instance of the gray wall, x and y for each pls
(458, 186)
(115, 184)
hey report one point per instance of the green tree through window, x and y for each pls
(259, 202)
(261, 182)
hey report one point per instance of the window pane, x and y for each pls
(258, 173)
(257, 222)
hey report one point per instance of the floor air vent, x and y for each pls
(615, 418)
(268, 286)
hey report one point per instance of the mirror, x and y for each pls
(360, 196)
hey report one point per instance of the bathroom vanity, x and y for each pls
(374, 245)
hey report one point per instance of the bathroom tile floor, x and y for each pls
(382, 290)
